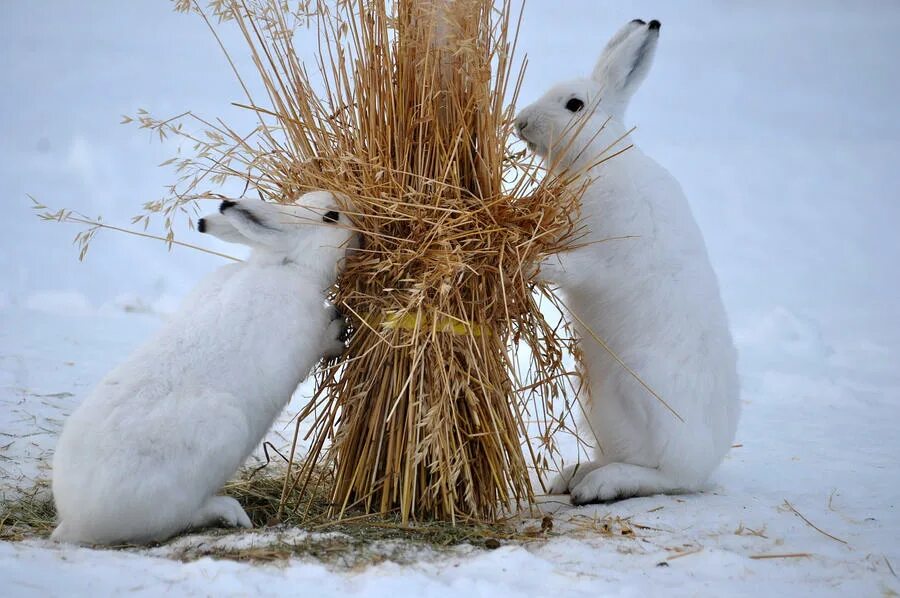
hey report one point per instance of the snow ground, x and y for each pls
(826, 445)
(779, 119)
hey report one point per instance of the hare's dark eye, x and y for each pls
(574, 105)
(331, 216)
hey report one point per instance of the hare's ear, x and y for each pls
(624, 63)
(218, 226)
(261, 223)
(619, 36)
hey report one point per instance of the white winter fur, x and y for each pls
(143, 456)
(654, 299)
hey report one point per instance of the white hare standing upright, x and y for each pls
(142, 458)
(654, 298)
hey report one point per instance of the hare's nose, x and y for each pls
(521, 124)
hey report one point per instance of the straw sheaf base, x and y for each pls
(310, 532)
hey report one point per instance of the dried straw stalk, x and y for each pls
(426, 413)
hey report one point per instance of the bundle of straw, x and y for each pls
(425, 414)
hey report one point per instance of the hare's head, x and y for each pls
(574, 122)
(314, 232)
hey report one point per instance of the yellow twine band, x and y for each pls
(441, 323)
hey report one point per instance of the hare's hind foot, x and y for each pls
(617, 481)
(220, 510)
(571, 476)
(60, 534)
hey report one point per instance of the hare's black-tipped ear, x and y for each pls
(624, 64)
(619, 37)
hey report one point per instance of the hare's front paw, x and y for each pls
(334, 338)
(334, 312)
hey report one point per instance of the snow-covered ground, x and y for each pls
(826, 443)
(779, 119)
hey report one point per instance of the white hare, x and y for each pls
(653, 298)
(142, 458)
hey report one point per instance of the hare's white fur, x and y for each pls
(143, 456)
(653, 298)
